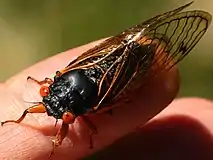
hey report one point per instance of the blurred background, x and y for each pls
(31, 30)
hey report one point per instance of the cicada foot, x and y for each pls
(92, 130)
(45, 81)
(38, 108)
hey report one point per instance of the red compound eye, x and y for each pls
(44, 91)
(68, 118)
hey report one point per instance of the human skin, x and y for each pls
(183, 130)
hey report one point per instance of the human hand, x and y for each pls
(29, 139)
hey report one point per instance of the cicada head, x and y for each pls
(69, 96)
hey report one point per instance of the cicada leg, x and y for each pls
(38, 108)
(45, 81)
(92, 129)
(62, 133)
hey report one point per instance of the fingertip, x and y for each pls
(161, 90)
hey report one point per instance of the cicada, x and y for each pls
(103, 75)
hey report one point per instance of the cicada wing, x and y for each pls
(94, 55)
(112, 43)
(164, 15)
(174, 37)
(101, 49)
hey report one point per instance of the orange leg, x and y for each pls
(39, 108)
(92, 129)
(62, 133)
(45, 81)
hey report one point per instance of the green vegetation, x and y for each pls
(33, 30)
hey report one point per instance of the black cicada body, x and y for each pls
(119, 65)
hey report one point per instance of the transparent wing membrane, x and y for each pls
(175, 36)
